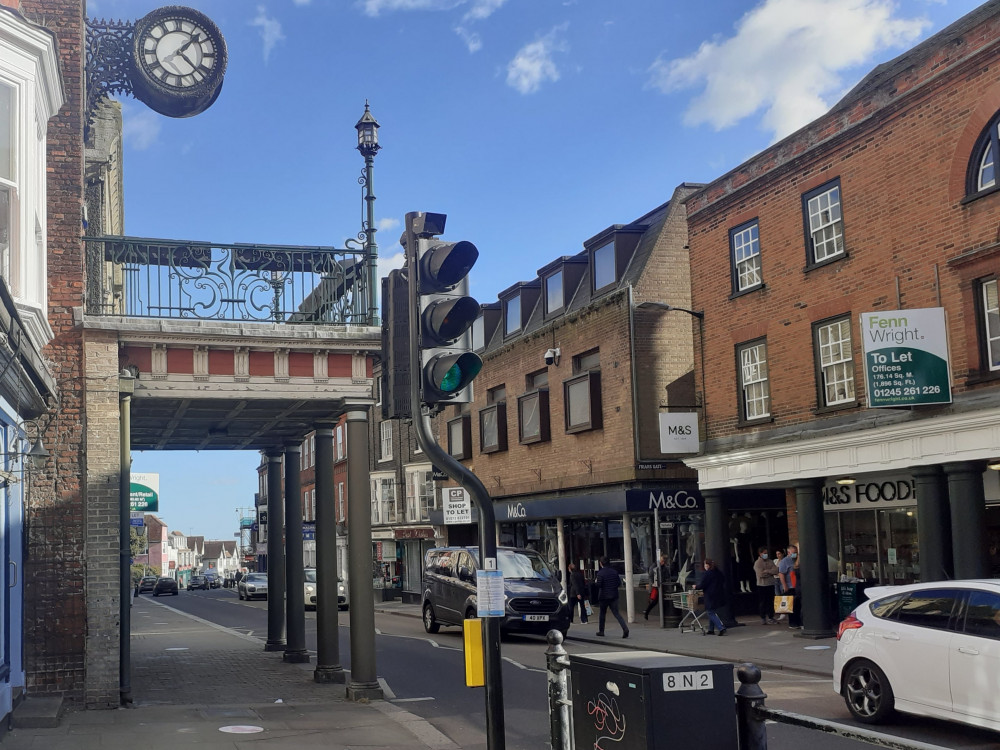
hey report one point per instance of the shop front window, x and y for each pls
(874, 546)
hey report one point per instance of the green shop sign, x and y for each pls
(144, 495)
(906, 357)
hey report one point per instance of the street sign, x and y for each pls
(136, 522)
(144, 493)
(489, 593)
(457, 506)
(136, 514)
(906, 357)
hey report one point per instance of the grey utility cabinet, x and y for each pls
(648, 700)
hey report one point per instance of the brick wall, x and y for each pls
(55, 617)
(901, 169)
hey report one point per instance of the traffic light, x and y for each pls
(395, 382)
(446, 311)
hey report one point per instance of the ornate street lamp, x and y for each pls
(367, 128)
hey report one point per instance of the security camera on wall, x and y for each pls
(552, 357)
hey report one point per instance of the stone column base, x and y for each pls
(275, 646)
(329, 674)
(359, 691)
(296, 657)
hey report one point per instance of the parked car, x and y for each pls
(534, 600)
(253, 586)
(198, 582)
(165, 586)
(148, 583)
(312, 591)
(931, 649)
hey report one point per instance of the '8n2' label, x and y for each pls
(675, 681)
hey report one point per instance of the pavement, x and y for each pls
(186, 672)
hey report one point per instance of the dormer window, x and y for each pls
(604, 266)
(554, 296)
(478, 334)
(512, 316)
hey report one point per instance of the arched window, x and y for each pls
(983, 166)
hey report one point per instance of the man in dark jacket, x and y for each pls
(577, 593)
(713, 583)
(608, 581)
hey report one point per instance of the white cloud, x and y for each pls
(301, 2)
(482, 9)
(784, 61)
(472, 40)
(140, 127)
(389, 263)
(384, 225)
(374, 7)
(270, 30)
(533, 64)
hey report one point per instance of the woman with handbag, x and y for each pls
(765, 570)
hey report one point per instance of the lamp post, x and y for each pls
(367, 128)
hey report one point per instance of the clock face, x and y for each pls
(178, 61)
(178, 52)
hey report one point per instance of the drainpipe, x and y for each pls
(126, 386)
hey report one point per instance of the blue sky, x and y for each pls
(534, 124)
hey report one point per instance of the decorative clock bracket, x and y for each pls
(173, 60)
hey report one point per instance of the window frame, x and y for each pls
(742, 383)
(807, 197)
(507, 330)
(544, 434)
(419, 502)
(985, 335)
(595, 419)
(465, 450)
(499, 412)
(988, 141)
(593, 265)
(737, 287)
(385, 440)
(821, 385)
(549, 308)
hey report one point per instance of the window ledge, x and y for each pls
(973, 197)
(581, 428)
(823, 263)
(977, 378)
(821, 410)
(748, 290)
(769, 419)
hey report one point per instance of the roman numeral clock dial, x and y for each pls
(179, 60)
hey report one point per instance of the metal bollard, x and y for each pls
(750, 726)
(557, 662)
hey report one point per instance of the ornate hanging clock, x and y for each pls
(178, 61)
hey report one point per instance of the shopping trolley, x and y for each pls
(690, 603)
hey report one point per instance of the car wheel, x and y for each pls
(867, 692)
(176, 593)
(240, 594)
(430, 624)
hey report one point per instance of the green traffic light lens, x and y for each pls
(452, 379)
(458, 372)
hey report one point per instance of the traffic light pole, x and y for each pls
(492, 667)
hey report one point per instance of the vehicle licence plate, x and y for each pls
(536, 618)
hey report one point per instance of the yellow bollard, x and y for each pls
(472, 638)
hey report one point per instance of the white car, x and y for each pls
(930, 649)
(312, 591)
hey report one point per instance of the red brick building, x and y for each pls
(879, 217)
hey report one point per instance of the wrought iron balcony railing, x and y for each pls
(153, 278)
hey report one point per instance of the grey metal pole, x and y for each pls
(364, 680)
(125, 546)
(659, 573)
(557, 662)
(275, 556)
(295, 651)
(371, 247)
(492, 663)
(328, 666)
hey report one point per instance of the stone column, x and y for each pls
(813, 577)
(328, 666)
(275, 556)
(968, 518)
(364, 681)
(933, 524)
(716, 532)
(295, 651)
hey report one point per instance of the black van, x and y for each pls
(535, 600)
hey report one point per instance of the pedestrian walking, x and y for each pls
(787, 569)
(765, 570)
(577, 593)
(779, 555)
(713, 584)
(608, 582)
(657, 576)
